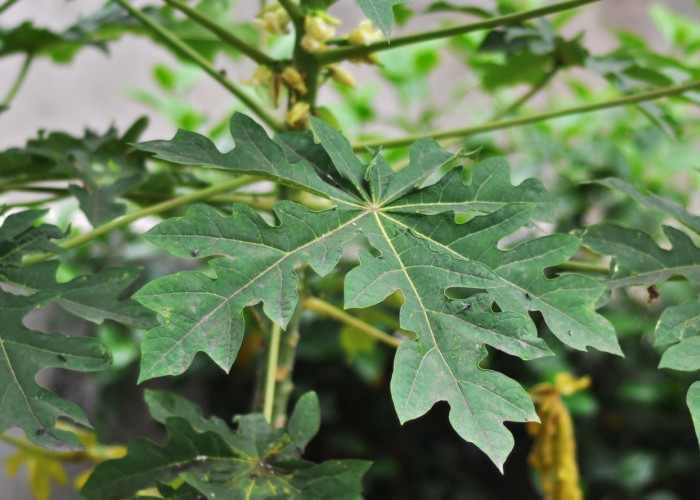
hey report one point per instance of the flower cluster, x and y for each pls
(318, 31)
(273, 19)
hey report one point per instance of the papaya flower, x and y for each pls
(273, 19)
(298, 115)
(317, 33)
(291, 77)
(364, 34)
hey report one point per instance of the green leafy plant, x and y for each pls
(446, 282)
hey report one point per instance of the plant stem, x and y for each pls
(326, 309)
(178, 46)
(538, 117)
(7, 5)
(289, 339)
(19, 80)
(224, 34)
(270, 377)
(358, 51)
(64, 456)
(152, 210)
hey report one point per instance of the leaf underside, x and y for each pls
(418, 249)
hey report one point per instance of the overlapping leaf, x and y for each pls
(638, 260)
(418, 250)
(23, 353)
(670, 207)
(254, 462)
(105, 164)
(92, 297)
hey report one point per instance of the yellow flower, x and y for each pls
(317, 32)
(273, 20)
(341, 75)
(364, 34)
(261, 76)
(292, 78)
(298, 115)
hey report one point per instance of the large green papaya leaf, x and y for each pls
(417, 249)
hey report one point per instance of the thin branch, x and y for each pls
(155, 209)
(271, 372)
(534, 90)
(221, 32)
(326, 309)
(178, 46)
(7, 5)
(64, 456)
(19, 80)
(538, 117)
(358, 51)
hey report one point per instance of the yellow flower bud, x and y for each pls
(261, 76)
(364, 34)
(292, 78)
(273, 20)
(341, 75)
(298, 115)
(317, 33)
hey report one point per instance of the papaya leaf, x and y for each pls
(670, 207)
(638, 260)
(93, 297)
(20, 236)
(693, 400)
(254, 461)
(680, 325)
(105, 165)
(23, 353)
(408, 218)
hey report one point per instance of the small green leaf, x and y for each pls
(305, 420)
(678, 323)
(685, 355)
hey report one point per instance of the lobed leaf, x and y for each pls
(638, 260)
(408, 218)
(255, 461)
